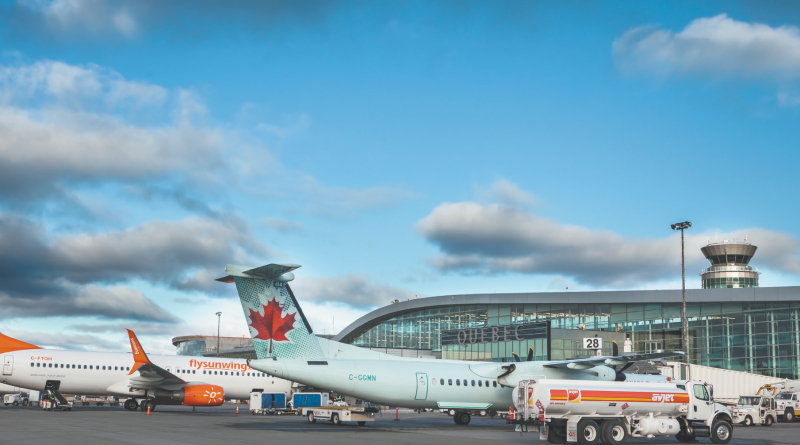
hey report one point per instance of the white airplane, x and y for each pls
(156, 379)
(286, 347)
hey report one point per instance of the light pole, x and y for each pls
(220, 313)
(685, 336)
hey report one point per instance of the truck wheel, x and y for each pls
(588, 432)
(614, 432)
(686, 438)
(335, 419)
(254, 412)
(16, 403)
(748, 421)
(311, 418)
(721, 432)
(24, 403)
(788, 416)
(362, 423)
(768, 421)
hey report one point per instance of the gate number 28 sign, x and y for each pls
(593, 343)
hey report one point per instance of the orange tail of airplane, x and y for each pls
(8, 344)
(139, 356)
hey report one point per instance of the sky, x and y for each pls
(395, 150)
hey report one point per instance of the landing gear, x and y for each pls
(147, 404)
(131, 405)
(462, 418)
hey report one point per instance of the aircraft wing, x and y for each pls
(587, 363)
(150, 375)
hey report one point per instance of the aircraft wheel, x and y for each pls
(311, 418)
(464, 417)
(336, 420)
(131, 405)
(457, 418)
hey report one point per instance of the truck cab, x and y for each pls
(760, 409)
(787, 405)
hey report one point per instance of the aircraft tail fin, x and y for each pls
(139, 356)
(277, 323)
(8, 344)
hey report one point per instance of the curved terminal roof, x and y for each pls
(752, 294)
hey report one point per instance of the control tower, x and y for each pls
(729, 265)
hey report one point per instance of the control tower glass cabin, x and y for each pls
(729, 265)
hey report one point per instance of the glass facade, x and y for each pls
(729, 282)
(192, 347)
(762, 338)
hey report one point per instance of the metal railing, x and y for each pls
(731, 269)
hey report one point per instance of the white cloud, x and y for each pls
(90, 16)
(716, 46)
(282, 225)
(495, 239)
(352, 290)
(506, 192)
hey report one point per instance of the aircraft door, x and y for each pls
(422, 386)
(8, 365)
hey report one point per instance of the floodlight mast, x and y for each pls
(218, 318)
(685, 335)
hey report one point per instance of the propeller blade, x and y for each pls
(614, 349)
(530, 354)
(516, 357)
(626, 366)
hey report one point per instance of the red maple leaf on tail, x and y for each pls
(271, 326)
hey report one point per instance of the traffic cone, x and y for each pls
(237, 409)
(148, 409)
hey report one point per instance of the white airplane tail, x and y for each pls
(277, 324)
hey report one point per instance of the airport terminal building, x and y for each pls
(733, 323)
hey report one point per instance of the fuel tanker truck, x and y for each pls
(586, 411)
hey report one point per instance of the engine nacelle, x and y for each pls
(195, 395)
(207, 395)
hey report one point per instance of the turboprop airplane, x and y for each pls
(286, 347)
(155, 379)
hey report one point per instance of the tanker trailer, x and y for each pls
(586, 411)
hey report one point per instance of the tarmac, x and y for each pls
(214, 426)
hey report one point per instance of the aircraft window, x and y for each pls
(51, 365)
(116, 368)
(192, 371)
(226, 372)
(450, 382)
(458, 382)
(84, 366)
(128, 368)
(104, 368)
(31, 364)
(215, 372)
(90, 367)
(494, 383)
(473, 383)
(441, 382)
(480, 383)
(204, 372)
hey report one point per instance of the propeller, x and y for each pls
(621, 373)
(530, 354)
(516, 357)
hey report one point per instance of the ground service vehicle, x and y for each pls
(787, 405)
(265, 403)
(310, 400)
(586, 412)
(339, 414)
(15, 399)
(761, 409)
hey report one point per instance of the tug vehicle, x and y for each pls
(585, 412)
(761, 409)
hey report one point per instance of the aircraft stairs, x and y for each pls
(57, 400)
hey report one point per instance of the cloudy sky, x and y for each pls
(396, 150)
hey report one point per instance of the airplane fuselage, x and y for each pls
(419, 384)
(94, 373)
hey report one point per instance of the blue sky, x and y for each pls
(394, 149)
